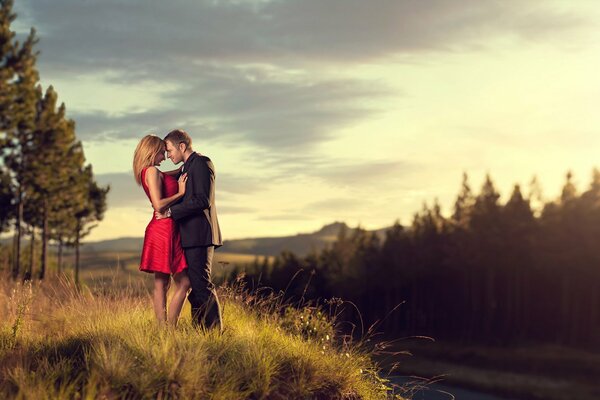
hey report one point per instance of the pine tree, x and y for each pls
(62, 219)
(7, 67)
(569, 191)
(56, 156)
(535, 196)
(487, 229)
(521, 230)
(464, 204)
(6, 198)
(590, 201)
(90, 208)
(18, 100)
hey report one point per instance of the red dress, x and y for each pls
(162, 251)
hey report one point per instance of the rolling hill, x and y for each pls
(300, 244)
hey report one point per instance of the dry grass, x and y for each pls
(101, 342)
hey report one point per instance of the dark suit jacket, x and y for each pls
(196, 212)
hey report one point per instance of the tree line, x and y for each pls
(46, 187)
(491, 272)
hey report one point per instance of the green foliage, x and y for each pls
(311, 323)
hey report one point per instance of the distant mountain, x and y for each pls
(300, 244)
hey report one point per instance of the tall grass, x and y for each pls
(58, 342)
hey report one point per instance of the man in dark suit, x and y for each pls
(196, 214)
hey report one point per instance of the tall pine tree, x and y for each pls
(89, 209)
(18, 100)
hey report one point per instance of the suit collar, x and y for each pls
(189, 160)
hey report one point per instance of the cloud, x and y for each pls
(252, 72)
(124, 191)
(340, 171)
(112, 34)
(232, 184)
(337, 204)
(251, 105)
(283, 217)
(365, 173)
(235, 210)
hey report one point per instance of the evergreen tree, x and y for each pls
(535, 196)
(463, 205)
(62, 219)
(569, 191)
(7, 68)
(89, 208)
(56, 157)
(19, 96)
(521, 231)
(6, 198)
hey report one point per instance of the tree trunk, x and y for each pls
(565, 308)
(77, 253)
(5, 262)
(44, 259)
(60, 255)
(593, 317)
(490, 303)
(17, 255)
(29, 271)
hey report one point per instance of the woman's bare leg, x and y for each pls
(159, 298)
(182, 285)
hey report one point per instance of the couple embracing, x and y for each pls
(184, 231)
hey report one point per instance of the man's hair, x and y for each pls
(179, 136)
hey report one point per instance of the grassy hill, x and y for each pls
(105, 343)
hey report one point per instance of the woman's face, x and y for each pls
(160, 157)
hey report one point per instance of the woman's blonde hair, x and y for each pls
(145, 152)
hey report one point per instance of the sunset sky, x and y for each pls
(321, 110)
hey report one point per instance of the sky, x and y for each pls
(316, 111)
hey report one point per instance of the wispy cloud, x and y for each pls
(112, 34)
(249, 105)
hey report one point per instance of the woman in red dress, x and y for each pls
(162, 253)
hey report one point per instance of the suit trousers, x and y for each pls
(206, 310)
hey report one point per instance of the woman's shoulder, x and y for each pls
(152, 173)
(152, 170)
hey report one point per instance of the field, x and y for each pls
(102, 342)
(99, 267)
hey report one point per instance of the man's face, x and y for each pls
(174, 152)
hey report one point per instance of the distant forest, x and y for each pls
(491, 273)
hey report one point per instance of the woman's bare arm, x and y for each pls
(153, 180)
